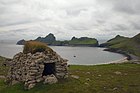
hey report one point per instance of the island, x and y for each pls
(50, 39)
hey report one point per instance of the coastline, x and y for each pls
(128, 56)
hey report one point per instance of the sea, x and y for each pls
(74, 55)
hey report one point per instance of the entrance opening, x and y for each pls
(49, 68)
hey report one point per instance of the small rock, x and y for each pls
(88, 72)
(31, 86)
(118, 73)
(30, 82)
(39, 80)
(99, 75)
(115, 88)
(87, 79)
(86, 83)
(50, 79)
(75, 77)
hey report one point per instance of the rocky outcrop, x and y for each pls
(31, 68)
(49, 39)
(21, 42)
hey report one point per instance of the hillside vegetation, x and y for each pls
(83, 41)
(34, 46)
(130, 45)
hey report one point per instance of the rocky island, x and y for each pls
(50, 39)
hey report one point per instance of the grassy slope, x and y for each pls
(117, 40)
(131, 45)
(83, 42)
(102, 79)
(77, 42)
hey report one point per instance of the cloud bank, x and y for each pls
(102, 19)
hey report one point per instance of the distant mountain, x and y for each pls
(21, 42)
(129, 45)
(51, 40)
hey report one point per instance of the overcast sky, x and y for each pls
(102, 19)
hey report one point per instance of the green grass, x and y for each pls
(3, 69)
(117, 40)
(83, 42)
(102, 79)
(34, 46)
(130, 45)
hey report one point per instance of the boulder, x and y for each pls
(50, 79)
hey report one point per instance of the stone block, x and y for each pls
(50, 79)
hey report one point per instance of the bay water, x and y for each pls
(75, 55)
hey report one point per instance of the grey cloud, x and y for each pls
(5, 2)
(66, 18)
(128, 6)
(121, 27)
(124, 6)
(75, 12)
(136, 25)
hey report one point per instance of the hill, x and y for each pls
(83, 41)
(50, 39)
(116, 40)
(129, 45)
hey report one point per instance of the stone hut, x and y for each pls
(47, 67)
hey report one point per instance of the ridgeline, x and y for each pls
(124, 45)
(50, 39)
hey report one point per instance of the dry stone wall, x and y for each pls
(28, 68)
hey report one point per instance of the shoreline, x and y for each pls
(128, 55)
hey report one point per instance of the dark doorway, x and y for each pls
(49, 69)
